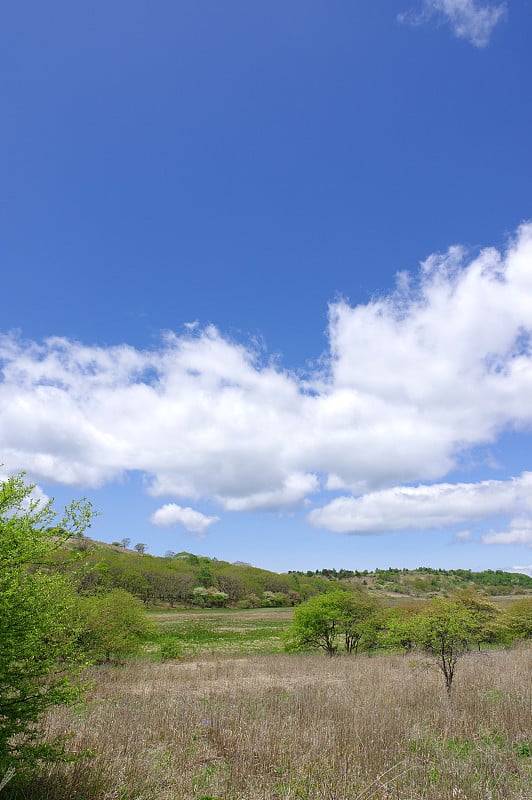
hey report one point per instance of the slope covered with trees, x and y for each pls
(185, 579)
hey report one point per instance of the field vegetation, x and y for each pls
(215, 633)
(297, 726)
(100, 699)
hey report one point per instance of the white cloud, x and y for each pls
(463, 536)
(526, 570)
(35, 496)
(519, 532)
(411, 383)
(424, 507)
(171, 514)
(293, 493)
(468, 19)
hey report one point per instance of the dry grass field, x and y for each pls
(309, 727)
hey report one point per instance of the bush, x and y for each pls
(171, 648)
(114, 625)
(39, 656)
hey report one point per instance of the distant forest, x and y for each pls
(185, 579)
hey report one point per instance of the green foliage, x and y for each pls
(171, 648)
(323, 621)
(444, 631)
(359, 621)
(517, 619)
(315, 625)
(524, 749)
(39, 658)
(185, 579)
(114, 625)
(172, 580)
(488, 628)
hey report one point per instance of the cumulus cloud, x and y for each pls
(411, 382)
(468, 19)
(519, 532)
(425, 507)
(171, 514)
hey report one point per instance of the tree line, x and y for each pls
(180, 579)
(185, 579)
(445, 629)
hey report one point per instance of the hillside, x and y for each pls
(185, 579)
(428, 582)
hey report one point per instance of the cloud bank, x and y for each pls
(411, 382)
(437, 506)
(468, 19)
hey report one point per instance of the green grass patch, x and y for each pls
(231, 633)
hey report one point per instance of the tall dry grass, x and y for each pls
(308, 727)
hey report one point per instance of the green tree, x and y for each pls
(487, 628)
(517, 619)
(204, 576)
(200, 595)
(444, 631)
(324, 620)
(39, 657)
(131, 581)
(358, 620)
(229, 580)
(315, 625)
(114, 625)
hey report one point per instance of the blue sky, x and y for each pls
(267, 275)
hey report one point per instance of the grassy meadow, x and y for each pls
(235, 719)
(212, 632)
